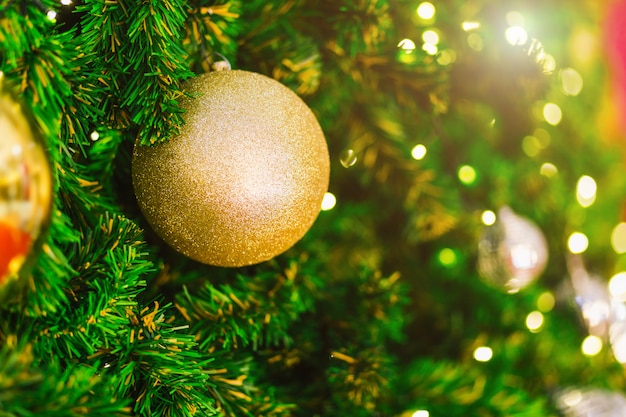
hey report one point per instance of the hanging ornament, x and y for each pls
(592, 297)
(512, 252)
(578, 402)
(244, 179)
(25, 189)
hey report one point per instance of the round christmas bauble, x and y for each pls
(512, 252)
(25, 189)
(590, 402)
(244, 179)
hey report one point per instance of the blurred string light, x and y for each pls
(586, 189)
(591, 345)
(430, 36)
(577, 242)
(541, 57)
(467, 174)
(617, 286)
(571, 81)
(532, 145)
(51, 15)
(618, 238)
(483, 354)
(66, 2)
(419, 152)
(329, 201)
(552, 113)
(430, 49)
(406, 45)
(447, 257)
(488, 217)
(94, 135)
(431, 40)
(475, 41)
(514, 18)
(546, 302)
(421, 413)
(548, 169)
(446, 57)
(426, 10)
(534, 321)
(515, 34)
(470, 25)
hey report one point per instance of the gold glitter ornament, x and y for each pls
(25, 192)
(244, 179)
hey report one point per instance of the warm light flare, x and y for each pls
(483, 354)
(419, 152)
(591, 346)
(426, 10)
(577, 242)
(488, 217)
(534, 321)
(586, 191)
(618, 238)
(329, 201)
(516, 35)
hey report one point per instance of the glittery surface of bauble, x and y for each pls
(25, 189)
(512, 253)
(244, 179)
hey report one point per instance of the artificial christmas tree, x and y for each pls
(436, 115)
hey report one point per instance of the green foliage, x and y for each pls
(359, 318)
(52, 390)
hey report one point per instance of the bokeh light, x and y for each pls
(431, 49)
(531, 146)
(571, 81)
(516, 35)
(426, 10)
(618, 238)
(586, 189)
(447, 257)
(488, 217)
(546, 302)
(431, 37)
(617, 286)
(470, 25)
(591, 346)
(407, 45)
(446, 57)
(548, 169)
(329, 201)
(515, 18)
(421, 413)
(552, 113)
(577, 242)
(467, 174)
(483, 354)
(475, 41)
(419, 152)
(534, 321)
